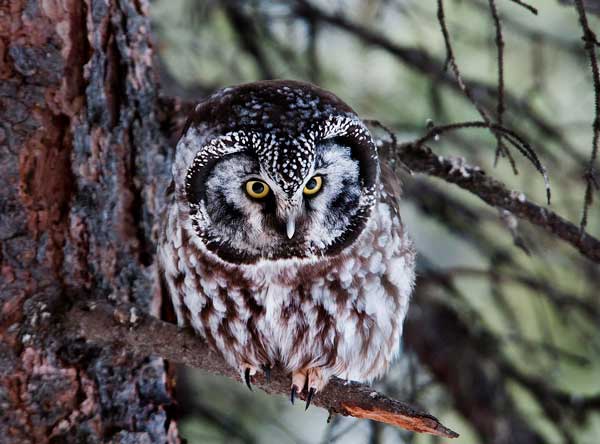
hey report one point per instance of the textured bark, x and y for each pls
(81, 149)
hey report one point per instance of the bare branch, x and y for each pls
(500, 106)
(421, 159)
(141, 334)
(430, 66)
(451, 61)
(512, 137)
(591, 178)
(526, 6)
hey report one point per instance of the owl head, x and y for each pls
(275, 169)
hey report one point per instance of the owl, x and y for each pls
(282, 242)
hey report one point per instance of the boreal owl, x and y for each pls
(282, 242)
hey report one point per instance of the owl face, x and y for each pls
(251, 211)
(276, 170)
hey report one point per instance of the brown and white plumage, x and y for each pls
(318, 284)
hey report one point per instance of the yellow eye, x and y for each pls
(313, 186)
(257, 189)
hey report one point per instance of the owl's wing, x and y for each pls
(392, 187)
(167, 310)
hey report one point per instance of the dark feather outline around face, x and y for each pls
(313, 116)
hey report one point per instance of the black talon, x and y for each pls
(247, 378)
(293, 393)
(309, 397)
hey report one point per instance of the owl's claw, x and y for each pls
(293, 393)
(298, 383)
(247, 378)
(309, 397)
(312, 379)
(315, 382)
(248, 371)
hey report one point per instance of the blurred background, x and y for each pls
(502, 340)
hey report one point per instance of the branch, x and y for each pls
(512, 137)
(421, 159)
(500, 108)
(526, 6)
(451, 62)
(126, 326)
(592, 180)
(430, 66)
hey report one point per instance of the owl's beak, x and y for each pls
(290, 226)
(288, 211)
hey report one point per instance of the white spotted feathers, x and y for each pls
(327, 298)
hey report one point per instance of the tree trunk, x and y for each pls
(83, 165)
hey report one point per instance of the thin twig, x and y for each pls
(511, 136)
(451, 61)
(526, 6)
(428, 65)
(591, 177)
(500, 48)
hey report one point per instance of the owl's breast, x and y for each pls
(341, 313)
(344, 313)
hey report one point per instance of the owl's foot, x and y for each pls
(298, 383)
(249, 370)
(312, 378)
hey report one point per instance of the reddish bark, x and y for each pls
(80, 149)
